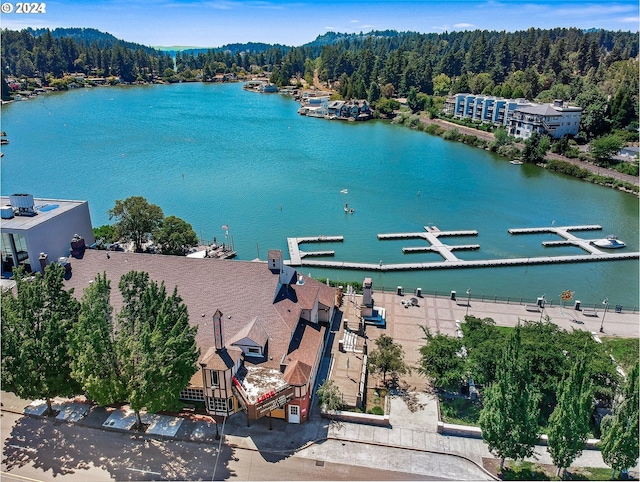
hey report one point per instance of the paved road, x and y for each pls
(42, 450)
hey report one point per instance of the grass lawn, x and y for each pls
(459, 411)
(626, 351)
(534, 471)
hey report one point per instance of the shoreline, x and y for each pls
(592, 168)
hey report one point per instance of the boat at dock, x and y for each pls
(610, 242)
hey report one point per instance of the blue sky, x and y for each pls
(213, 23)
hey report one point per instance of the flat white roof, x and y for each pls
(46, 210)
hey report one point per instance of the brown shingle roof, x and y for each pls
(297, 373)
(241, 290)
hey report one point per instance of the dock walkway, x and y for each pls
(432, 235)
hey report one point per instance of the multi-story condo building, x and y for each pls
(519, 116)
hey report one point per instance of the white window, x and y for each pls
(192, 394)
(215, 381)
(254, 351)
(224, 405)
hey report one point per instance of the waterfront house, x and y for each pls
(555, 120)
(37, 231)
(261, 327)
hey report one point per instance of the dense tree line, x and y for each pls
(54, 345)
(50, 54)
(596, 69)
(538, 378)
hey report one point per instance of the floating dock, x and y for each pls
(450, 261)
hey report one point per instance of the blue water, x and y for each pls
(215, 154)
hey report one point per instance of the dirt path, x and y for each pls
(488, 136)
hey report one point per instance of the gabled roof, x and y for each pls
(253, 331)
(241, 290)
(297, 373)
(545, 110)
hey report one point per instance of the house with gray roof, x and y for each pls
(555, 120)
(261, 327)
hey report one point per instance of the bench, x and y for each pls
(532, 308)
(593, 313)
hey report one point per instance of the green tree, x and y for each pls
(569, 422)
(136, 219)
(619, 441)
(387, 357)
(373, 94)
(95, 364)
(594, 120)
(441, 84)
(174, 235)
(35, 324)
(412, 100)
(155, 344)
(329, 396)
(535, 148)
(106, 232)
(510, 406)
(603, 148)
(441, 360)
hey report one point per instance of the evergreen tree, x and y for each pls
(95, 364)
(569, 422)
(35, 324)
(155, 344)
(619, 441)
(509, 415)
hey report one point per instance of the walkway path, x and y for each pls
(488, 136)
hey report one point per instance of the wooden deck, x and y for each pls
(450, 261)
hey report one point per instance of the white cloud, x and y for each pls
(463, 25)
(355, 21)
(630, 20)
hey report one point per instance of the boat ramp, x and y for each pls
(431, 234)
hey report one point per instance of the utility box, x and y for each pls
(453, 296)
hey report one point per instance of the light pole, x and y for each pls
(468, 299)
(605, 302)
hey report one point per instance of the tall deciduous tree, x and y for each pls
(441, 360)
(619, 442)
(509, 415)
(155, 343)
(174, 235)
(35, 324)
(569, 422)
(95, 362)
(387, 357)
(135, 219)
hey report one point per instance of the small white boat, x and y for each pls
(517, 163)
(610, 242)
(344, 191)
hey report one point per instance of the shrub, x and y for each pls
(377, 410)
(434, 129)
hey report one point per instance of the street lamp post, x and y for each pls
(468, 299)
(606, 306)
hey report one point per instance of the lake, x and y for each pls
(215, 154)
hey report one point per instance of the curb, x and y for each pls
(223, 440)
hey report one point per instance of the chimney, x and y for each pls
(218, 339)
(43, 261)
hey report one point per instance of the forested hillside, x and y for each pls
(597, 70)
